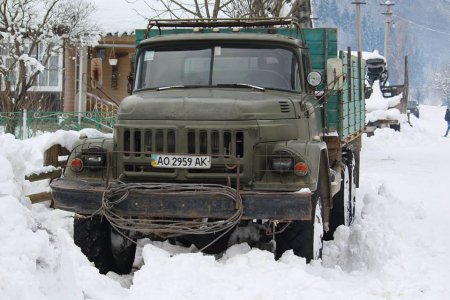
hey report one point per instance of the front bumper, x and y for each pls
(86, 197)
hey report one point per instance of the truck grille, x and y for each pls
(219, 142)
(138, 144)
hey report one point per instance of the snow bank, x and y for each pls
(244, 275)
(397, 247)
(38, 258)
(44, 261)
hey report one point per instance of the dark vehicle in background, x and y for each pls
(412, 107)
(376, 70)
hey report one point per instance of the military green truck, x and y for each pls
(237, 130)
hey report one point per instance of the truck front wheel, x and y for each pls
(93, 236)
(123, 251)
(218, 242)
(305, 238)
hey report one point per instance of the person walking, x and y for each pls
(447, 118)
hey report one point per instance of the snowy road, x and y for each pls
(397, 248)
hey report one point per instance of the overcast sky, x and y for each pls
(120, 15)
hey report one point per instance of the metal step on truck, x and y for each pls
(236, 130)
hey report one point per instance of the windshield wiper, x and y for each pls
(220, 85)
(242, 85)
(170, 87)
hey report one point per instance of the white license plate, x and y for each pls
(180, 161)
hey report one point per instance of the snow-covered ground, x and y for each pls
(397, 248)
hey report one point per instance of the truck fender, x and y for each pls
(317, 156)
(83, 144)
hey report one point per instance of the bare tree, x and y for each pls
(403, 45)
(255, 8)
(202, 9)
(176, 9)
(32, 31)
(442, 82)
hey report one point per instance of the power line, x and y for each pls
(422, 26)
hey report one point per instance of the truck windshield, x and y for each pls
(218, 65)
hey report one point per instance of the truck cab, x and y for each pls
(228, 95)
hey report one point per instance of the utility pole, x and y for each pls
(358, 23)
(388, 15)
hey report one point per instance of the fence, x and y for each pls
(26, 124)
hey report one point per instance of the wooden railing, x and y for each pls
(54, 156)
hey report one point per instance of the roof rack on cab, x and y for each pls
(269, 23)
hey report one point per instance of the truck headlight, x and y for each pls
(94, 158)
(282, 162)
(91, 159)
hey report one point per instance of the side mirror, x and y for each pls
(130, 84)
(335, 74)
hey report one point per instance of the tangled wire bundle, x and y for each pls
(118, 192)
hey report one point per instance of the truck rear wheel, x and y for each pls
(343, 211)
(93, 236)
(305, 238)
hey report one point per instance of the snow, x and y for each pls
(397, 248)
(32, 63)
(376, 100)
(370, 55)
(43, 170)
(380, 108)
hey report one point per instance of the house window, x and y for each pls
(5, 64)
(49, 80)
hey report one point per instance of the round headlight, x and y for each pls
(282, 162)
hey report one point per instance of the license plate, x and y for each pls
(180, 161)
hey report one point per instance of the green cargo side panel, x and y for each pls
(322, 44)
(352, 103)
